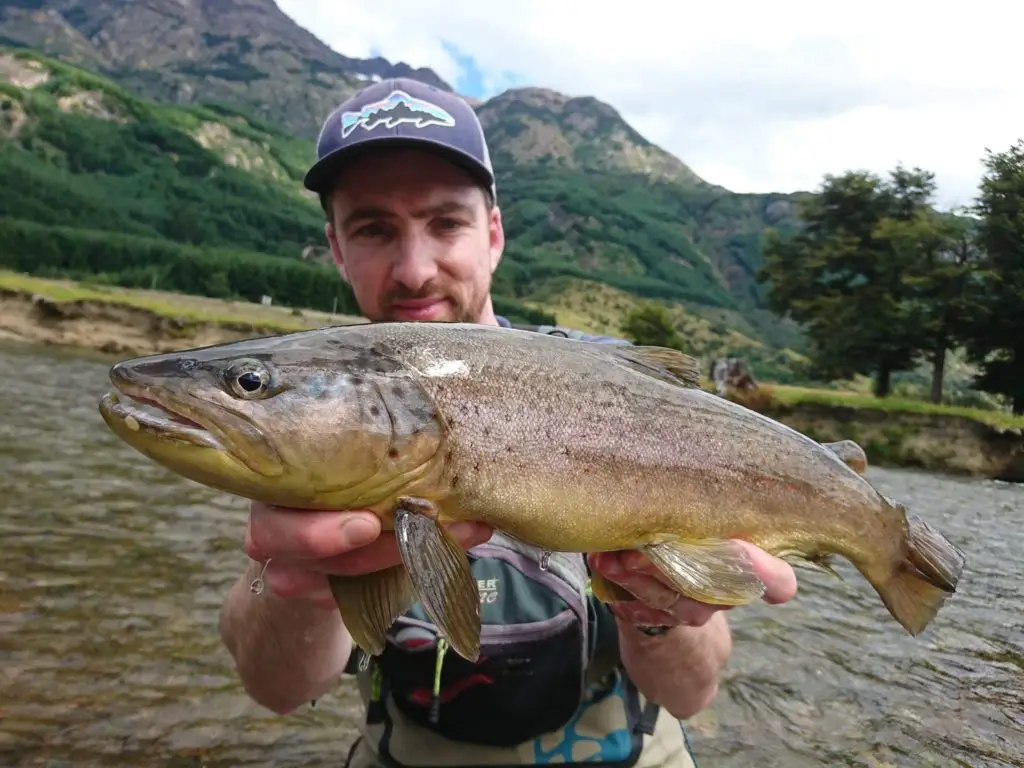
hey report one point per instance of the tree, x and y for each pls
(996, 334)
(942, 277)
(845, 274)
(651, 325)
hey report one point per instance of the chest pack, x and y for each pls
(547, 686)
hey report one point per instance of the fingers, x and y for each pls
(659, 603)
(638, 577)
(383, 551)
(656, 602)
(290, 581)
(777, 575)
(304, 546)
(687, 612)
(292, 534)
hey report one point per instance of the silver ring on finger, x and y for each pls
(257, 585)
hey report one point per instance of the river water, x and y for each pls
(112, 572)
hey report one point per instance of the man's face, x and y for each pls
(415, 238)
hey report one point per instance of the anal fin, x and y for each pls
(440, 575)
(370, 603)
(713, 571)
(608, 591)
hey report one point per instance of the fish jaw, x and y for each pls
(188, 449)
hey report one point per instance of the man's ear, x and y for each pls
(497, 237)
(339, 259)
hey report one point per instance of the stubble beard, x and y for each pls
(468, 308)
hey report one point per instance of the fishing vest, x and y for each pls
(548, 687)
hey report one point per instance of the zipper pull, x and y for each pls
(435, 698)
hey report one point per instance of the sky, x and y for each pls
(756, 97)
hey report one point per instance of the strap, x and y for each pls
(648, 718)
(550, 330)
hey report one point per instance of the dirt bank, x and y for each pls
(943, 443)
(124, 330)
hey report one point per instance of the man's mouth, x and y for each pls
(419, 309)
(142, 413)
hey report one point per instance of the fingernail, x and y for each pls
(358, 532)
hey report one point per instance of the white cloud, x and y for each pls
(753, 96)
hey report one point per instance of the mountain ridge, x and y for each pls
(585, 196)
(531, 122)
(245, 53)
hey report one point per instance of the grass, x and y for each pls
(792, 395)
(187, 308)
(199, 309)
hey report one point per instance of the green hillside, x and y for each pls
(208, 200)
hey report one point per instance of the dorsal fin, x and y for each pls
(662, 363)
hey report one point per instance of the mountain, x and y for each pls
(541, 127)
(117, 144)
(245, 54)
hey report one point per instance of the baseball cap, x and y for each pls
(401, 112)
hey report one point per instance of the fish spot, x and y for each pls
(455, 480)
(392, 453)
(374, 410)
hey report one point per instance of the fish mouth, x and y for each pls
(138, 411)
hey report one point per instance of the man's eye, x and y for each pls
(448, 223)
(371, 230)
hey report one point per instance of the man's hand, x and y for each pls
(307, 545)
(659, 604)
(679, 669)
(288, 643)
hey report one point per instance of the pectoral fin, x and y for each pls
(440, 575)
(713, 571)
(370, 603)
(608, 591)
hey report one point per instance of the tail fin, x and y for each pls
(917, 587)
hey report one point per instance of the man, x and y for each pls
(408, 190)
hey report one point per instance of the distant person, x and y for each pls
(404, 175)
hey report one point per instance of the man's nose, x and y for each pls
(416, 264)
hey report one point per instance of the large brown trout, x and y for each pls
(567, 445)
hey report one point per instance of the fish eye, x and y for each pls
(248, 379)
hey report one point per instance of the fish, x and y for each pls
(567, 445)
